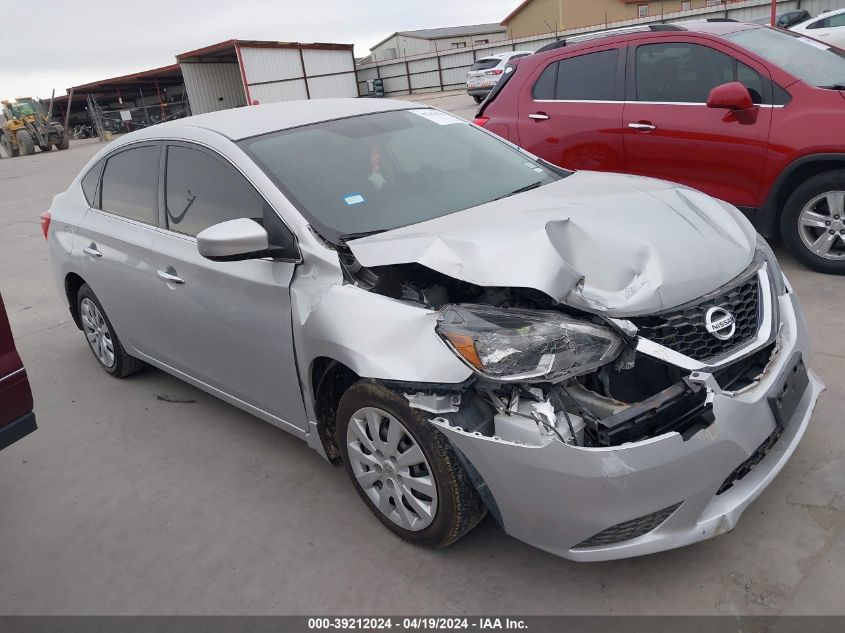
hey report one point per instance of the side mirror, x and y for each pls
(234, 240)
(730, 96)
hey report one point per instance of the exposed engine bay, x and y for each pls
(627, 397)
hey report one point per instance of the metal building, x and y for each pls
(240, 72)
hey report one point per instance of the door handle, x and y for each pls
(92, 250)
(645, 127)
(169, 278)
(538, 116)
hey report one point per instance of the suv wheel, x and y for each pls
(404, 469)
(813, 222)
(101, 336)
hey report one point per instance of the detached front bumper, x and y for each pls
(557, 496)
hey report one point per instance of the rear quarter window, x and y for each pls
(90, 183)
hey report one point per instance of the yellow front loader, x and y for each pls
(23, 126)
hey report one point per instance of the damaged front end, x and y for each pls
(596, 437)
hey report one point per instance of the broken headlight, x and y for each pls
(513, 344)
(775, 273)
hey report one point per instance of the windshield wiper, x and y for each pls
(533, 185)
(345, 237)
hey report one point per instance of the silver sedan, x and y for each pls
(607, 365)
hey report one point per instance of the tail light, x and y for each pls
(45, 223)
(481, 121)
(498, 71)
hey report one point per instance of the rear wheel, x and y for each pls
(25, 143)
(477, 98)
(6, 143)
(45, 148)
(64, 143)
(101, 336)
(403, 468)
(813, 222)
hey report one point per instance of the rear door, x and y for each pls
(116, 235)
(570, 110)
(229, 323)
(670, 132)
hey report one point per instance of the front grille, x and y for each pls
(745, 467)
(629, 529)
(683, 330)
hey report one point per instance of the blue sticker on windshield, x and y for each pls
(353, 198)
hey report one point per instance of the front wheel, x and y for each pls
(26, 145)
(813, 222)
(403, 468)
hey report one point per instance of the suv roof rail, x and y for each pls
(642, 28)
(720, 20)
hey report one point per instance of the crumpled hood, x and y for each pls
(609, 243)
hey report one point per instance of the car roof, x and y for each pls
(716, 28)
(240, 123)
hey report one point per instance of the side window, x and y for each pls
(686, 73)
(836, 20)
(89, 184)
(201, 191)
(130, 184)
(819, 24)
(590, 77)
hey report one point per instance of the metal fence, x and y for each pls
(447, 70)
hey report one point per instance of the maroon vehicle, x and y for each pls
(16, 417)
(743, 112)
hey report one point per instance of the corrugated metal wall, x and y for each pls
(213, 86)
(416, 74)
(282, 74)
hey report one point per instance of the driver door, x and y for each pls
(670, 133)
(229, 323)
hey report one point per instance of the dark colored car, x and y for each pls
(16, 417)
(745, 113)
(784, 19)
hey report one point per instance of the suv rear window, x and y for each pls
(590, 77)
(485, 64)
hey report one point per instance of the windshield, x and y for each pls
(376, 172)
(814, 62)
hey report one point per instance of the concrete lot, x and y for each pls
(122, 503)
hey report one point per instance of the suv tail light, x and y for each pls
(481, 121)
(498, 71)
(45, 223)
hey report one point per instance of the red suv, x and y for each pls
(16, 416)
(751, 115)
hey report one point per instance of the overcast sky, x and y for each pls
(87, 41)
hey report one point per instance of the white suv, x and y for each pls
(486, 72)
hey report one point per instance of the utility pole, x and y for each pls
(774, 13)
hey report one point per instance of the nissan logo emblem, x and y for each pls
(720, 323)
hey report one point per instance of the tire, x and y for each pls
(64, 143)
(121, 364)
(456, 506)
(25, 143)
(478, 99)
(808, 218)
(7, 146)
(45, 148)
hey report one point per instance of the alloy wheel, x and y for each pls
(97, 332)
(391, 468)
(821, 225)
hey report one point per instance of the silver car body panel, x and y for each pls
(614, 245)
(619, 245)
